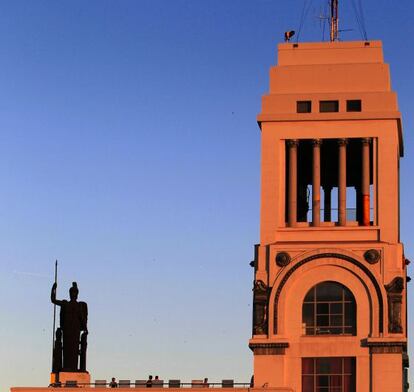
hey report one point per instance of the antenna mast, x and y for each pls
(334, 20)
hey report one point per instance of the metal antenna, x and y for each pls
(334, 21)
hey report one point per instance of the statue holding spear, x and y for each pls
(71, 337)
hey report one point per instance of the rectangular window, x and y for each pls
(353, 105)
(303, 106)
(328, 106)
(332, 374)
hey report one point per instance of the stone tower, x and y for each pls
(329, 294)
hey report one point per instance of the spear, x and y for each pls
(54, 317)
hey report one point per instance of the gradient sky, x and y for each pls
(129, 151)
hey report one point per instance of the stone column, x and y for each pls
(293, 182)
(342, 182)
(366, 219)
(327, 203)
(316, 183)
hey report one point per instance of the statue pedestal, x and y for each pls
(82, 378)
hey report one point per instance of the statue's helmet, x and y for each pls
(74, 291)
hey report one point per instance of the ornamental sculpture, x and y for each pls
(372, 256)
(394, 294)
(282, 259)
(260, 300)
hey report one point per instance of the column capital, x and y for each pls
(316, 142)
(366, 140)
(342, 142)
(293, 142)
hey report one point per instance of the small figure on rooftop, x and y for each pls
(113, 383)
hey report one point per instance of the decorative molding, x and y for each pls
(283, 259)
(385, 347)
(268, 348)
(372, 256)
(335, 256)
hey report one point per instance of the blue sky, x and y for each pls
(129, 151)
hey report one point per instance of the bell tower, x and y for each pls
(329, 296)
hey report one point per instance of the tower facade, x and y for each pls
(329, 296)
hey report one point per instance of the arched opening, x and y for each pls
(329, 308)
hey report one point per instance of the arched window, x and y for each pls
(329, 309)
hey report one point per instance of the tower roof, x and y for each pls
(330, 71)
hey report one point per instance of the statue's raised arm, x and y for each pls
(53, 296)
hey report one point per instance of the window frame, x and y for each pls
(313, 373)
(325, 108)
(329, 316)
(353, 109)
(307, 104)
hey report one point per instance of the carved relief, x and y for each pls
(394, 294)
(282, 259)
(372, 256)
(260, 300)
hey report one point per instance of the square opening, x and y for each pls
(328, 106)
(353, 105)
(303, 106)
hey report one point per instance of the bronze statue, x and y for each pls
(73, 321)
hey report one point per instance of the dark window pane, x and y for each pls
(323, 365)
(322, 308)
(329, 291)
(308, 383)
(308, 314)
(336, 365)
(336, 381)
(322, 321)
(349, 330)
(322, 381)
(336, 320)
(328, 106)
(303, 106)
(350, 314)
(348, 295)
(353, 105)
(308, 366)
(349, 384)
(336, 308)
(349, 365)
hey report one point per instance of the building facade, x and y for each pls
(329, 296)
